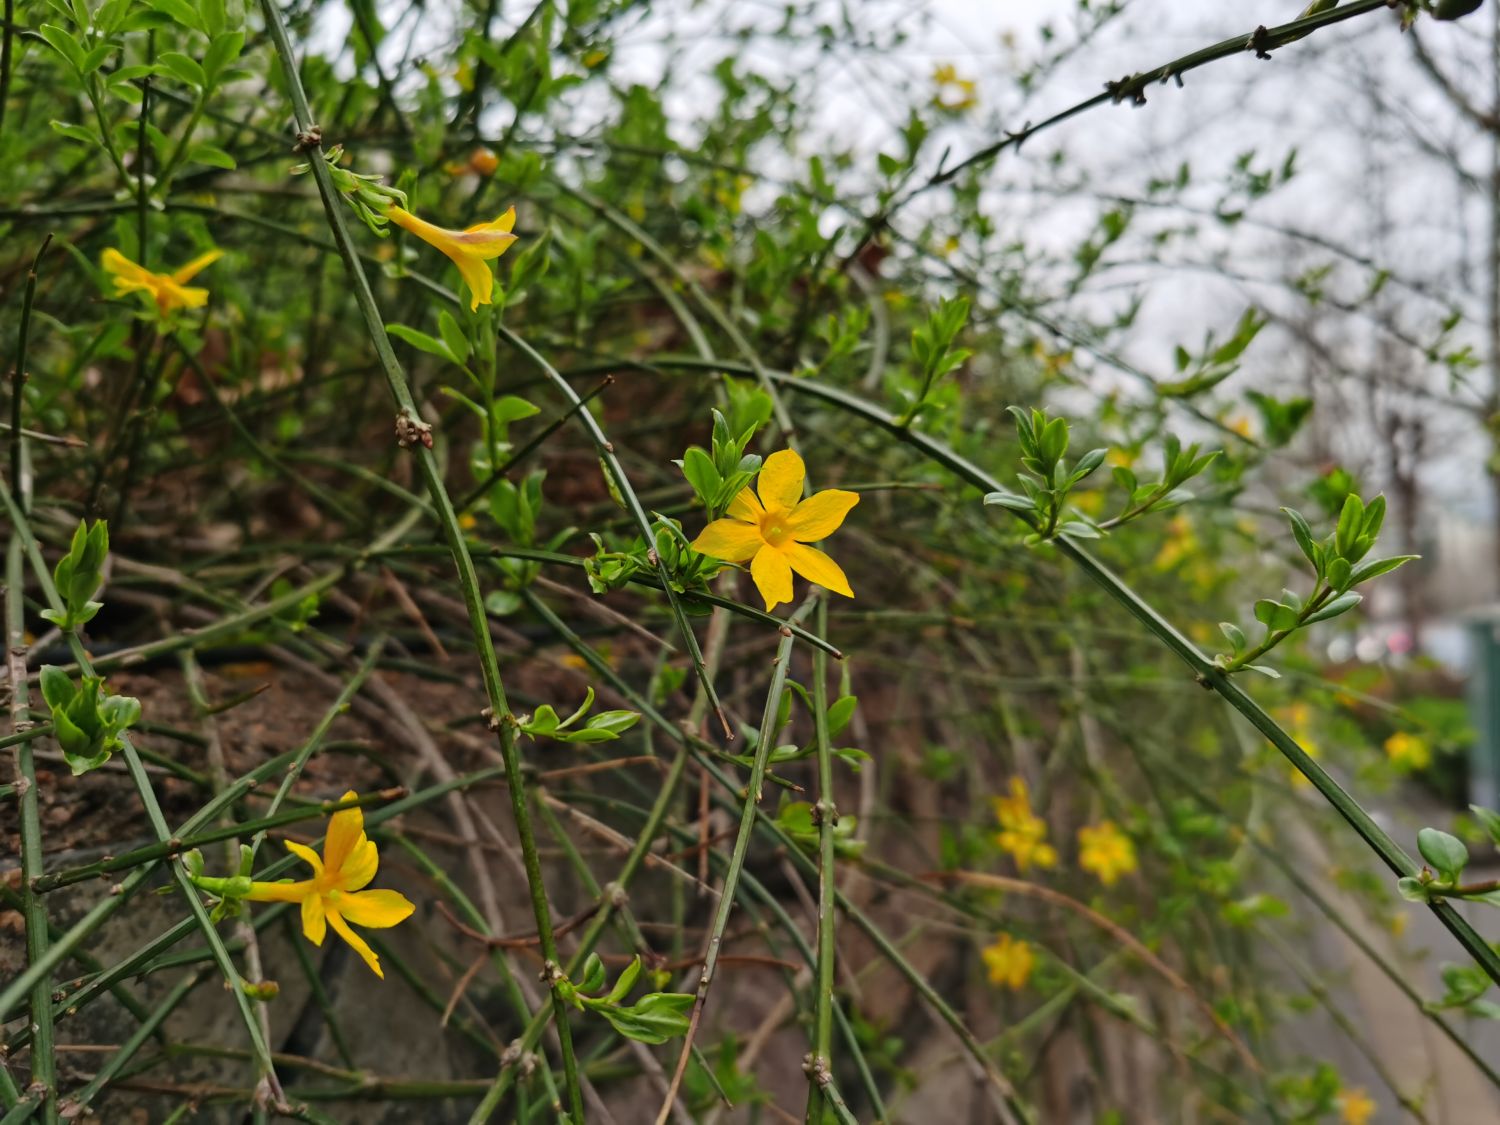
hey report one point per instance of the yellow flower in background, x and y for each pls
(1105, 851)
(334, 896)
(170, 291)
(471, 249)
(1355, 1106)
(1408, 751)
(1297, 718)
(1023, 834)
(1180, 543)
(953, 94)
(772, 530)
(1009, 962)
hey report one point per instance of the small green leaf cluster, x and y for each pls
(1179, 466)
(1216, 362)
(1464, 987)
(86, 722)
(606, 726)
(1048, 478)
(367, 194)
(799, 820)
(608, 569)
(933, 351)
(840, 714)
(718, 475)
(655, 1018)
(300, 613)
(78, 576)
(1446, 857)
(1338, 563)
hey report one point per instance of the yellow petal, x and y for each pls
(820, 515)
(124, 269)
(477, 276)
(772, 575)
(358, 943)
(280, 892)
(817, 567)
(433, 236)
(379, 910)
(175, 296)
(730, 540)
(314, 921)
(780, 484)
(490, 239)
(346, 831)
(196, 266)
(746, 506)
(360, 867)
(305, 854)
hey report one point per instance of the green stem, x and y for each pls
(499, 710)
(768, 728)
(820, 1073)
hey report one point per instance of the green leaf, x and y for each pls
(182, 68)
(1351, 521)
(1374, 568)
(1304, 536)
(840, 713)
(654, 1018)
(453, 336)
(1445, 853)
(626, 982)
(698, 468)
(421, 341)
(1235, 636)
(180, 10)
(617, 722)
(211, 155)
(64, 44)
(57, 687)
(1488, 819)
(1010, 500)
(1412, 890)
(77, 132)
(543, 722)
(224, 49)
(1342, 604)
(593, 974)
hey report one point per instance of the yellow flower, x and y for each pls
(771, 531)
(471, 248)
(333, 896)
(1106, 851)
(1355, 1106)
(1010, 962)
(954, 94)
(170, 291)
(1408, 751)
(1022, 833)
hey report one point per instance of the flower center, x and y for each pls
(774, 529)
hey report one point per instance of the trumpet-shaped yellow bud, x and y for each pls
(471, 249)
